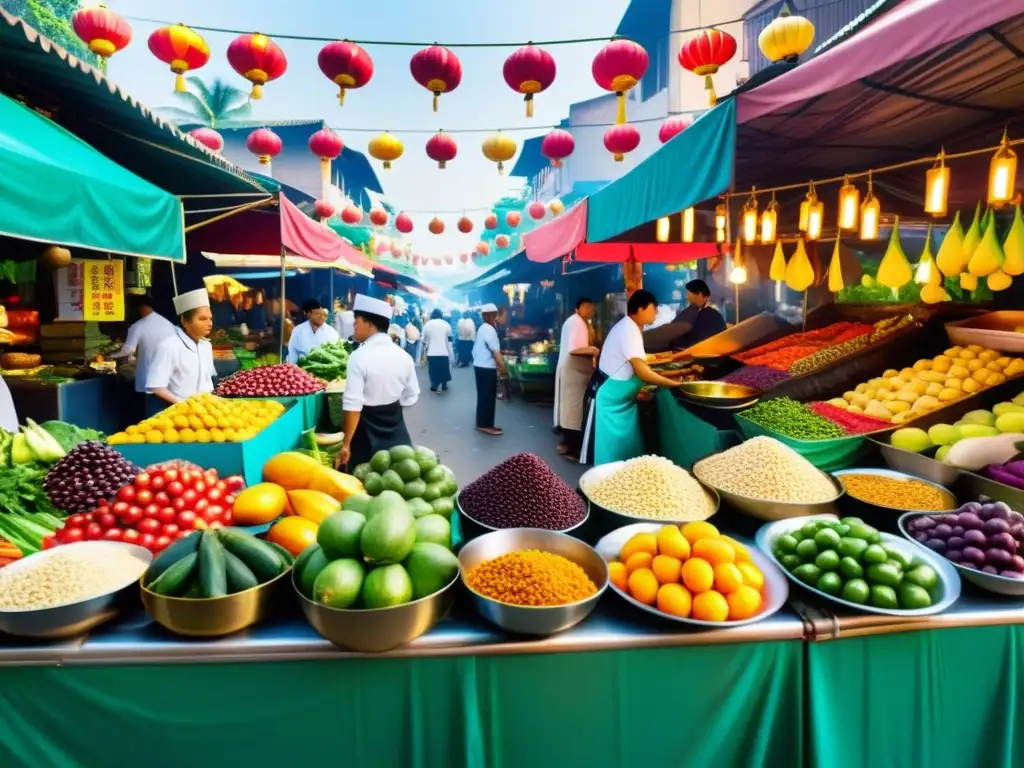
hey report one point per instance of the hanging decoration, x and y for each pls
(988, 257)
(448, 260)
(799, 271)
(786, 38)
(386, 147)
(968, 282)
(104, 31)
(403, 223)
(705, 53)
(529, 70)
(972, 238)
(672, 127)
(621, 139)
(326, 145)
(750, 219)
(323, 210)
(483, 248)
(209, 138)
(180, 48)
(352, 214)
(436, 226)
(396, 251)
(936, 187)
(950, 258)
(770, 222)
(378, 217)
(777, 270)
(849, 206)
(502, 242)
(894, 270)
(557, 207)
(557, 145)
(265, 144)
(932, 290)
(499, 148)
(491, 222)
(346, 65)
(258, 59)
(437, 69)
(1002, 176)
(618, 67)
(465, 225)
(835, 270)
(1013, 246)
(441, 148)
(537, 210)
(721, 217)
(870, 213)
(512, 218)
(464, 257)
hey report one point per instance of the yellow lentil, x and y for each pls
(896, 494)
(531, 577)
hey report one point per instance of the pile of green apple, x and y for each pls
(1004, 418)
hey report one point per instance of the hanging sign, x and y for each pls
(69, 291)
(103, 290)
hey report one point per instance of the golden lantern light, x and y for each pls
(738, 275)
(750, 220)
(805, 207)
(849, 205)
(936, 187)
(662, 229)
(721, 215)
(870, 214)
(770, 222)
(786, 38)
(688, 225)
(1002, 174)
(815, 219)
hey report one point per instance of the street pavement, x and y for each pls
(445, 423)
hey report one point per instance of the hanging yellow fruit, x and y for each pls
(799, 272)
(950, 258)
(1013, 246)
(968, 282)
(894, 270)
(777, 271)
(835, 270)
(999, 281)
(988, 256)
(973, 236)
(927, 273)
(867, 281)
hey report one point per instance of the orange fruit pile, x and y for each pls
(203, 418)
(691, 571)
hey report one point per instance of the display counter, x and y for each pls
(93, 403)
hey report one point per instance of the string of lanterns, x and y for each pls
(403, 223)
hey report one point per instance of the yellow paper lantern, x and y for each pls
(786, 38)
(499, 148)
(770, 222)
(750, 220)
(386, 148)
(894, 270)
(936, 187)
(661, 229)
(1002, 175)
(777, 270)
(799, 271)
(688, 225)
(849, 206)
(870, 214)
(815, 219)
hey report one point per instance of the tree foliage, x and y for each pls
(217, 105)
(52, 18)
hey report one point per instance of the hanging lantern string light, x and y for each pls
(936, 187)
(750, 219)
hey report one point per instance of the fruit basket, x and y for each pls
(995, 330)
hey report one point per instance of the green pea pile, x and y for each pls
(788, 417)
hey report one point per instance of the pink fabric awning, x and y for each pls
(305, 237)
(559, 236)
(645, 253)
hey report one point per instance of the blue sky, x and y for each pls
(393, 100)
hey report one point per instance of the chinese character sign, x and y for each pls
(103, 290)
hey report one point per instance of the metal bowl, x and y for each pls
(949, 580)
(534, 620)
(606, 520)
(72, 619)
(375, 630)
(471, 528)
(999, 585)
(876, 514)
(776, 587)
(719, 394)
(917, 464)
(763, 509)
(217, 616)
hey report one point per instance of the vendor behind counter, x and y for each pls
(695, 323)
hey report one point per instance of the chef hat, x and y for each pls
(488, 308)
(191, 300)
(372, 306)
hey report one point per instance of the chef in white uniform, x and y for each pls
(381, 382)
(575, 367)
(183, 365)
(8, 413)
(311, 334)
(143, 339)
(344, 321)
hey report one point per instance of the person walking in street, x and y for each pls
(466, 330)
(488, 363)
(575, 367)
(312, 333)
(437, 346)
(412, 338)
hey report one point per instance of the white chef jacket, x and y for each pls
(143, 339)
(466, 329)
(575, 335)
(625, 342)
(304, 339)
(8, 415)
(380, 373)
(345, 323)
(436, 336)
(182, 366)
(485, 346)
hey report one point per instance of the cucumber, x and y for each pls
(212, 566)
(176, 552)
(261, 558)
(174, 581)
(286, 557)
(195, 591)
(240, 577)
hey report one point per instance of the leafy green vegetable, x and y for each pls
(70, 435)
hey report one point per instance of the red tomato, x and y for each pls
(102, 504)
(157, 482)
(146, 540)
(93, 531)
(50, 542)
(113, 534)
(170, 530)
(235, 483)
(221, 486)
(179, 505)
(190, 497)
(131, 536)
(127, 493)
(187, 520)
(151, 511)
(175, 489)
(149, 525)
(144, 497)
(167, 515)
(121, 507)
(214, 512)
(200, 487)
(210, 476)
(162, 543)
(171, 476)
(142, 480)
(161, 498)
(132, 517)
(229, 501)
(214, 495)
(228, 518)
(200, 506)
(188, 478)
(71, 535)
(106, 520)
(75, 521)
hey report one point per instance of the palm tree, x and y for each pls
(217, 105)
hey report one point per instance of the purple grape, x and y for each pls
(958, 530)
(1003, 541)
(969, 520)
(990, 570)
(1016, 517)
(920, 536)
(924, 523)
(1017, 529)
(968, 564)
(975, 538)
(955, 542)
(1000, 511)
(995, 525)
(942, 531)
(974, 555)
(955, 555)
(1018, 563)
(936, 545)
(985, 513)
(1012, 575)
(972, 507)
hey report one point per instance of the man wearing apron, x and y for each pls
(575, 367)
(381, 382)
(183, 363)
(613, 423)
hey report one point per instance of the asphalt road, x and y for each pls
(445, 423)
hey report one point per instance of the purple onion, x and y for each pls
(1018, 563)
(936, 545)
(925, 523)
(975, 538)
(955, 555)
(968, 564)
(955, 542)
(1000, 510)
(995, 525)
(999, 557)
(991, 570)
(969, 520)
(942, 531)
(973, 507)
(920, 536)
(1003, 541)
(1016, 517)
(958, 530)
(974, 555)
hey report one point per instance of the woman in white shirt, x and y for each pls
(437, 346)
(613, 423)
(311, 334)
(183, 364)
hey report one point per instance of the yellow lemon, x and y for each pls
(202, 436)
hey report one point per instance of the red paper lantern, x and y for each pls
(326, 145)
(382, 247)
(483, 248)
(437, 69)
(512, 218)
(323, 209)
(529, 70)
(265, 144)
(618, 67)
(704, 53)
(258, 59)
(448, 260)
(441, 148)
(378, 217)
(346, 65)
(403, 223)
(557, 146)
(436, 226)
(465, 225)
(436, 261)
(464, 257)
(673, 126)
(502, 241)
(537, 210)
(621, 139)
(415, 259)
(209, 138)
(104, 31)
(491, 222)
(352, 214)
(396, 251)
(181, 49)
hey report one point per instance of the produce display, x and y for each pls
(691, 571)
(531, 577)
(375, 553)
(44, 443)
(69, 576)
(523, 492)
(415, 473)
(282, 380)
(760, 377)
(793, 419)
(763, 468)
(90, 472)
(851, 423)
(895, 494)
(208, 564)
(27, 517)
(328, 361)
(846, 558)
(982, 537)
(203, 418)
(652, 487)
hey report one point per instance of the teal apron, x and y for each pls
(617, 421)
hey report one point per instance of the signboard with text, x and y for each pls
(103, 290)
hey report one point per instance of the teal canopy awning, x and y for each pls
(693, 167)
(55, 188)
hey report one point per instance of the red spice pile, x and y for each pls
(851, 423)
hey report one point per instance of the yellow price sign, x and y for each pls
(103, 290)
